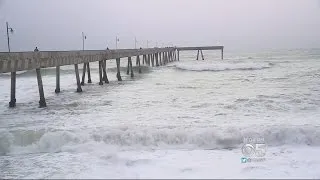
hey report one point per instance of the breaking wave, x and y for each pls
(24, 142)
(217, 66)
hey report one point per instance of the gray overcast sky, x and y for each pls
(237, 24)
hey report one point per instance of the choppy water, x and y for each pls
(185, 107)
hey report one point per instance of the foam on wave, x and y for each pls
(209, 138)
(219, 66)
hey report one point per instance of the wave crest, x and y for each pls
(126, 138)
(224, 66)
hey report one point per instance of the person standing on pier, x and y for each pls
(36, 49)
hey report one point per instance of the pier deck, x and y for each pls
(21, 61)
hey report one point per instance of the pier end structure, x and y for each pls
(199, 50)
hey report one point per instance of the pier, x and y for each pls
(13, 62)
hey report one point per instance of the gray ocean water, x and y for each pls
(183, 106)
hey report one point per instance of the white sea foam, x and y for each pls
(214, 66)
(204, 138)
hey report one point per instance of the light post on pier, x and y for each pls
(83, 38)
(148, 43)
(117, 40)
(86, 67)
(135, 42)
(8, 35)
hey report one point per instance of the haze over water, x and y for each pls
(238, 25)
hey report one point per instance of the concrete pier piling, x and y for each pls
(202, 55)
(152, 60)
(172, 55)
(89, 74)
(166, 57)
(128, 67)
(148, 59)
(160, 59)
(222, 53)
(42, 101)
(84, 73)
(12, 102)
(163, 59)
(104, 68)
(57, 90)
(157, 59)
(198, 55)
(175, 55)
(100, 73)
(76, 69)
(131, 69)
(143, 59)
(118, 69)
(21, 61)
(138, 60)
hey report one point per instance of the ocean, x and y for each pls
(251, 115)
